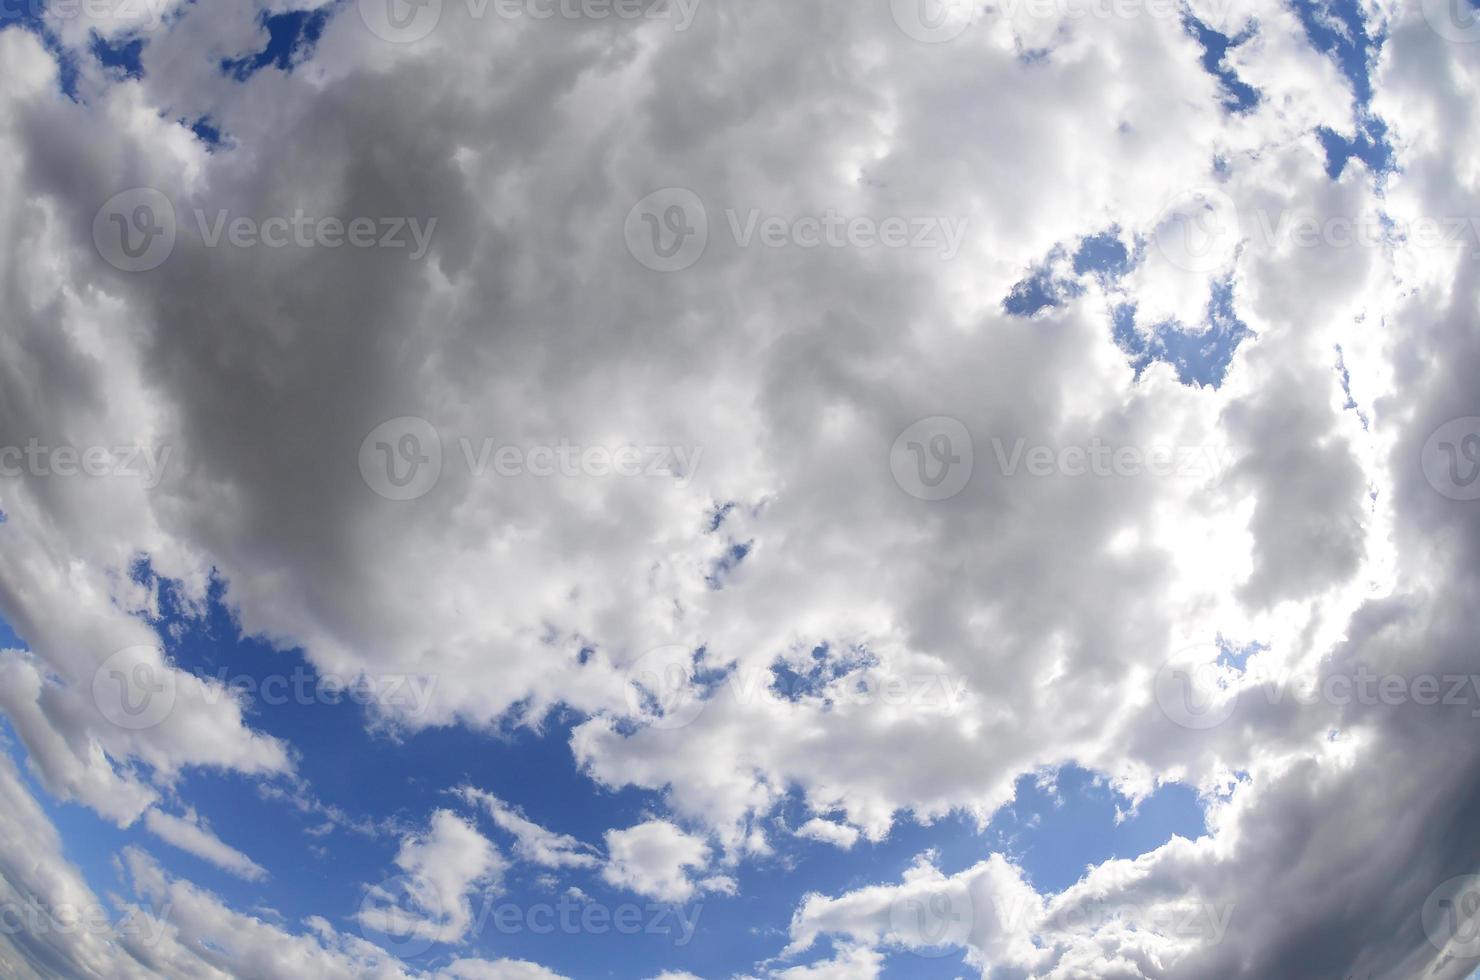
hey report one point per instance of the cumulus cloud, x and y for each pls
(661, 861)
(840, 630)
(440, 870)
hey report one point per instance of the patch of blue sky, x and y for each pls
(810, 675)
(1237, 656)
(1063, 823)
(1201, 357)
(206, 131)
(1338, 29)
(291, 37)
(1041, 289)
(124, 54)
(727, 563)
(720, 512)
(1238, 95)
(1201, 353)
(1346, 387)
(1104, 255)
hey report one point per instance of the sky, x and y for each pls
(670, 489)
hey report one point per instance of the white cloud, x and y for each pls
(838, 834)
(658, 860)
(35, 875)
(189, 834)
(531, 841)
(1048, 603)
(466, 969)
(441, 870)
(856, 963)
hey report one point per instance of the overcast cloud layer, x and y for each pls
(668, 386)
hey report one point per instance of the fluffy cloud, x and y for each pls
(839, 834)
(659, 860)
(841, 639)
(441, 870)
